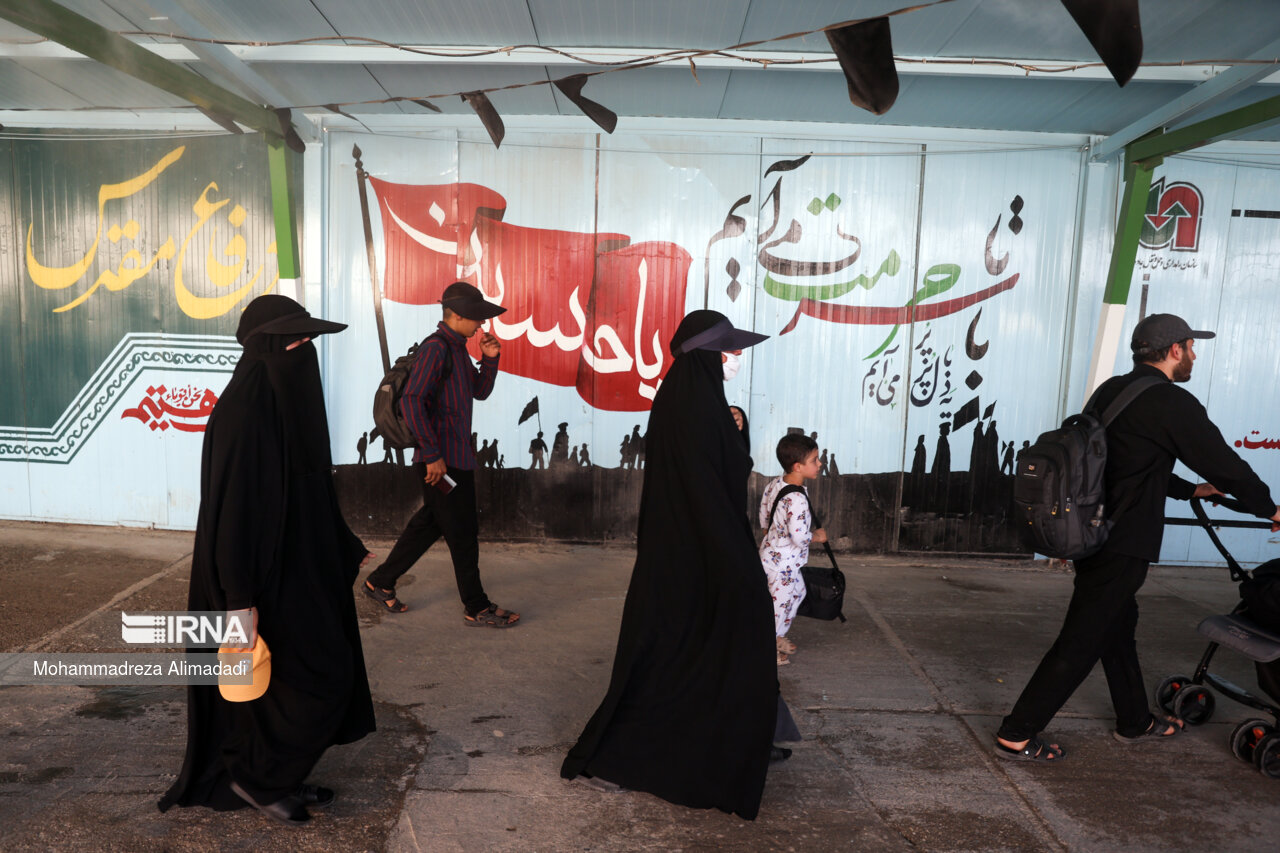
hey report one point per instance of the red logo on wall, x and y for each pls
(186, 409)
(1173, 217)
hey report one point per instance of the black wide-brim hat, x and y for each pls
(467, 301)
(721, 337)
(273, 314)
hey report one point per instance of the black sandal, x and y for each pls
(1034, 750)
(387, 597)
(492, 616)
(1157, 729)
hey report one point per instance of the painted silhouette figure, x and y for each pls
(637, 447)
(628, 457)
(942, 455)
(918, 460)
(584, 458)
(538, 447)
(976, 451)
(833, 470)
(560, 447)
(573, 456)
(1006, 464)
(502, 461)
(362, 444)
(822, 460)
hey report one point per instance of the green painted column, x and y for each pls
(1124, 251)
(280, 161)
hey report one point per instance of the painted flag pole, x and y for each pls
(531, 409)
(361, 181)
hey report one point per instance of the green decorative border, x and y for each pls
(134, 354)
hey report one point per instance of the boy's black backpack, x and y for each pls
(387, 418)
(1058, 488)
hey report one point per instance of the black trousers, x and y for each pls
(1100, 625)
(452, 516)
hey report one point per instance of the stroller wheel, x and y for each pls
(1266, 756)
(1166, 690)
(1246, 736)
(1194, 704)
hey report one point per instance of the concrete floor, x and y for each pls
(897, 708)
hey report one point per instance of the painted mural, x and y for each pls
(127, 265)
(923, 303)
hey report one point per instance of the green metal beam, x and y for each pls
(1124, 252)
(278, 158)
(59, 24)
(1164, 144)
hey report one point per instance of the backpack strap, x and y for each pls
(782, 493)
(446, 369)
(1123, 399)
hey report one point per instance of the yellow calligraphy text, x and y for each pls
(222, 274)
(132, 266)
(223, 269)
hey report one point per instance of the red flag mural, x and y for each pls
(583, 309)
(544, 280)
(632, 315)
(427, 233)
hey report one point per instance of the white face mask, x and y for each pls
(731, 365)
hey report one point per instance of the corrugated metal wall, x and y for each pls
(930, 307)
(128, 263)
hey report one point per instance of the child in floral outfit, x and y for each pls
(787, 534)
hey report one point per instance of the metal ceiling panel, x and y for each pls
(660, 92)
(101, 86)
(23, 89)
(654, 23)
(475, 22)
(1106, 108)
(791, 96)
(307, 84)
(418, 81)
(1175, 30)
(1014, 104)
(920, 33)
(236, 20)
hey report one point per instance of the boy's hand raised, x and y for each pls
(820, 535)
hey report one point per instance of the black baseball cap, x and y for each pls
(1158, 331)
(466, 300)
(274, 314)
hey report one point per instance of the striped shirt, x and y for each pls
(442, 425)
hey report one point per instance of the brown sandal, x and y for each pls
(492, 616)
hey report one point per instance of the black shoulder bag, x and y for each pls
(824, 587)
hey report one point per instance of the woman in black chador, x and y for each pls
(690, 710)
(270, 536)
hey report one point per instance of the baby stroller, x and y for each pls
(1255, 740)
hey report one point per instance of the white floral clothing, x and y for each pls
(785, 550)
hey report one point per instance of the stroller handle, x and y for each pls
(1202, 520)
(1197, 507)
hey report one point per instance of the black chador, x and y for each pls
(690, 710)
(270, 535)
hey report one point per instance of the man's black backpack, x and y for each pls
(1058, 488)
(387, 417)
